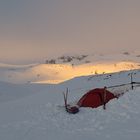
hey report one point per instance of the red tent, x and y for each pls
(95, 98)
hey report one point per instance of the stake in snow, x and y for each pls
(68, 107)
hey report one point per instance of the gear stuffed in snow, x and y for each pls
(69, 108)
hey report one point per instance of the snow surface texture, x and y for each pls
(36, 112)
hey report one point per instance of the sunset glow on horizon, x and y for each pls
(33, 30)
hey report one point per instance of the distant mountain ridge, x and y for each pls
(94, 58)
(65, 67)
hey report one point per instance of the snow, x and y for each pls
(62, 71)
(35, 111)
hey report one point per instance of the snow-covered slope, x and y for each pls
(57, 70)
(38, 113)
(56, 73)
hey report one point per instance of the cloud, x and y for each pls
(52, 27)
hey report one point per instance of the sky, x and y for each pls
(31, 30)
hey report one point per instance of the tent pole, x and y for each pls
(104, 99)
(132, 86)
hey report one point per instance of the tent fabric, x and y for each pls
(95, 98)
